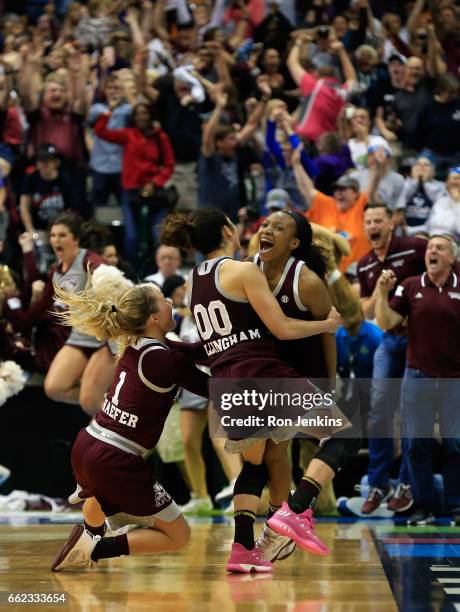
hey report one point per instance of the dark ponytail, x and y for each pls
(307, 251)
(201, 230)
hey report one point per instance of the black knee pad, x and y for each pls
(338, 452)
(251, 480)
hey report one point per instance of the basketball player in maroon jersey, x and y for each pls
(296, 270)
(233, 307)
(108, 456)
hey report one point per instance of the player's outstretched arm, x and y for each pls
(264, 303)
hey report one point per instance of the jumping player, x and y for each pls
(295, 270)
(108, 456)
(231, 297)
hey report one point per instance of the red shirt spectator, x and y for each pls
(147, 157)
(326, 98)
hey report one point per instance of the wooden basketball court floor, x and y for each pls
(370, 569)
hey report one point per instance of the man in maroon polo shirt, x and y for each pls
(431, 384)
(405, 257)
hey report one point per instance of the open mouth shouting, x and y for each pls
(265, 245)
(375, 236)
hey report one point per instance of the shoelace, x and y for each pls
(258, 554)
(308, 524)
(374, 492)
(267, 538)
(401, 490)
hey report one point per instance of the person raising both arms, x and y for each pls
(240, 293)
(108, 457)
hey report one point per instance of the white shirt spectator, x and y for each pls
(445, 218)
(390, 187)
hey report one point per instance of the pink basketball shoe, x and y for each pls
(298, 527)
(244, 561)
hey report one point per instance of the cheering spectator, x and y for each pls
(223, 160)
(56, 112)
(390, 183)
(445, 214)
(362, 139)
(274, 30)
(430, 385)
(106, 157)
(438, 126)
(179, 114)
(421, 191)
(410, 100)
(326, 97)
(46, 192)
(404, 256)
(148, 162)
(397, 37)
(343, 212)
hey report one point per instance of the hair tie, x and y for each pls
(114, 308)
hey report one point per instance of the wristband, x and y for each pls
(334, 277)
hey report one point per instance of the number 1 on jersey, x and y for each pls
(118, 387)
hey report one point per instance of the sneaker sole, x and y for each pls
(74, 536)
(285, 552)
(307, 545)
(247, 568)
(421, 523)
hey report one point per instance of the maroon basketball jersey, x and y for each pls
(147, 381)
(305, 355)
(228, 326)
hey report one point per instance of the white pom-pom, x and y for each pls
(13, 377)
(3, 392)
(108, 274)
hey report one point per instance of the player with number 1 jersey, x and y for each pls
(109, 456)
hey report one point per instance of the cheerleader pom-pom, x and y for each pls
(3, 392)
(12, 377)
(109, 276)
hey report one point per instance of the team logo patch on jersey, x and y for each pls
(418, 296)
(284, 299)
(399, 291)
(398, 263)
(454, 296)
(370, 275)
(161, 496)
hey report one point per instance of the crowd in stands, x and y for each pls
(252, 106)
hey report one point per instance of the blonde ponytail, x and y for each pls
(109, 310)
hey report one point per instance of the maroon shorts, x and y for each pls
(255, 367)
(120, 481)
